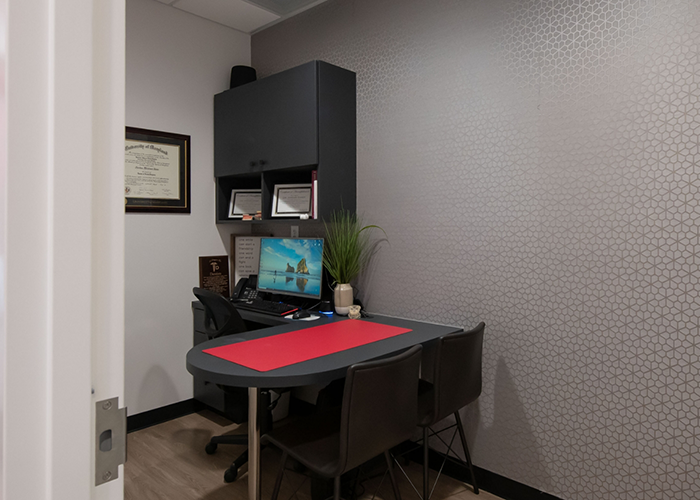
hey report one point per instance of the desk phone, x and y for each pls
(246, 289)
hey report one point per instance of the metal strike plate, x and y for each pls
(110, 440)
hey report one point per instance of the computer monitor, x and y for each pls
(291, 266)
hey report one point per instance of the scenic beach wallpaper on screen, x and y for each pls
(291, 266)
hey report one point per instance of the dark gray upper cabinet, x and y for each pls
(280, 129)
(268, 124)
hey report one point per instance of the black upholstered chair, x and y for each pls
(378, 413)
(453, 381)
(222, 318)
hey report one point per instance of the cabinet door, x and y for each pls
(269, 124)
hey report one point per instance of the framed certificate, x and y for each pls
(156, 171)
(291, 200)
(244, 201)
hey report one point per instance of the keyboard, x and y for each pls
(267, 307)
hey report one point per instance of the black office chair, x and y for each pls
(378, 412)
(453, 382)
(222, 318)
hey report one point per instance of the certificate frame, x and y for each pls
(296, 194)
(166, 189)
(232, 213)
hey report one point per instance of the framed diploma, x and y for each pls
(291, 200)
(156, 171)
(244, 201)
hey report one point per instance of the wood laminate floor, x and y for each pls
(168, 461)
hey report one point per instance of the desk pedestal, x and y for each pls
(254, 489)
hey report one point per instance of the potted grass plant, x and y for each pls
(346, 252)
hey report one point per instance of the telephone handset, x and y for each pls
(246, 289)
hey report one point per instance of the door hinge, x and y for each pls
(110, 440)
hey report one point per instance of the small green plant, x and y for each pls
(347, 248)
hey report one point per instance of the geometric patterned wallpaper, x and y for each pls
(536, 166)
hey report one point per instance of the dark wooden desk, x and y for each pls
(315, 371)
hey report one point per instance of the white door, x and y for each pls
(62, 242)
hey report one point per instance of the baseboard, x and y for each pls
(498, 485)
(162, 414)
(176, 410)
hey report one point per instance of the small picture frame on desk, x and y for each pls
(292, 200)
(244, 202)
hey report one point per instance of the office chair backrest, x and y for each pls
(221, 317)
(379, 407)
(457, 371)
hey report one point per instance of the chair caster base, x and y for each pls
(211, 448)
(231, 474)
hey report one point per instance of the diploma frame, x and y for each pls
(152, 139)
(232, 213)
(282, 191)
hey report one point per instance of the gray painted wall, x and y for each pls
(175, 63)
(535, 165)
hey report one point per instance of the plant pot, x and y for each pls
(342, 296)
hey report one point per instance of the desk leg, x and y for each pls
(253, 444)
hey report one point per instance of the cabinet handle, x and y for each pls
(263, 162)
(253, 163)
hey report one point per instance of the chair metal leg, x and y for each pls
(390, 465)
(426, 468)
(466, 451)
(336, 488)
(278, 481)
(354, 483)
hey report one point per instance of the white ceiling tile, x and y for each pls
(283, 7)
(233, 13)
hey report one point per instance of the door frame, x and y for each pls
(62, 248)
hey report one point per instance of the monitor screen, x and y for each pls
(291, 266)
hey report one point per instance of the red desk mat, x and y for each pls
(286, 349)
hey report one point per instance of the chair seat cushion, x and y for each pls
(426, 403)
(313, 441)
